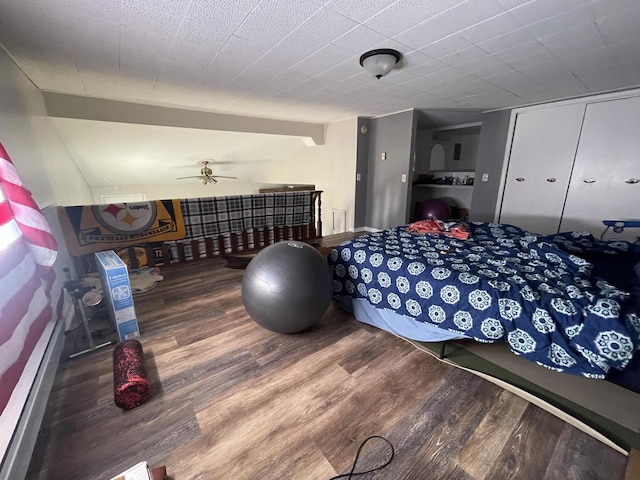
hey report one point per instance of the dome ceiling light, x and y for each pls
(378, 63)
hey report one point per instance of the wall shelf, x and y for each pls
(437, 185)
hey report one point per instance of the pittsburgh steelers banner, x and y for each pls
(93, 228)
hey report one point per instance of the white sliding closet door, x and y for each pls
(607, 165)
(542, 153)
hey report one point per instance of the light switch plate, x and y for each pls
(403, 178)
(485, 177)
(384, 155)
(357, 177)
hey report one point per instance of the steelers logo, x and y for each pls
(126, 218)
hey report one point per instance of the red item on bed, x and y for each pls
(450, 229)
(131, 385)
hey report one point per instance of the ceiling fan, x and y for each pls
(206, 174)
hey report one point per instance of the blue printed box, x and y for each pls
(117, 293)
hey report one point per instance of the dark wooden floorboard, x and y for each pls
(415, 427)
(234, 401)
(448, 438)
(570, 458)
(481, 450)
(526, 443)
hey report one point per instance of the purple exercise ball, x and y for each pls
(434, 208)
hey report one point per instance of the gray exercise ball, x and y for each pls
(287, 287)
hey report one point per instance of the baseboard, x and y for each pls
(18, 455)
(366, 229)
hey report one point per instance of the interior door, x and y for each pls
(605, 184)
(542, 154)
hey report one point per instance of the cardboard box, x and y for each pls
(117, 293)
(141, 471)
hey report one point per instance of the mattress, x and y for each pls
(502, 285)
(395, 323)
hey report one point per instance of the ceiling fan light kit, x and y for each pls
(380, 62)
(208, 179)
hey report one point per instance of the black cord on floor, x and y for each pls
(353, 467)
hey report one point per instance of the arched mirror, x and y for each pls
(437, 157)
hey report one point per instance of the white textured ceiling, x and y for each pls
(298, 59)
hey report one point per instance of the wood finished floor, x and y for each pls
(234, 401)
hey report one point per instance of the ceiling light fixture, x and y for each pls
(378, 63)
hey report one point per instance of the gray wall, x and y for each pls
(493, 142)
(413, 158)
(362, 167)
(468, 152)
(387, 196)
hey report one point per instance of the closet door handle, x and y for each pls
(551, 179)
(589, 180)
(632, 180)
(520, 179)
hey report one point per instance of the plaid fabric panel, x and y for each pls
(200, 217)
(212, 216)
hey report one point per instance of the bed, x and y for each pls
(543, 295)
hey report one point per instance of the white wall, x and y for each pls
(116, 155)
(330, 167)
(33, 143)
(49, 172)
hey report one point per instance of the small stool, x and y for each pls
(84, 296)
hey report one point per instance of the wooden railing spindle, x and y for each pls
(181, 256)
(208, 247)
(195, 250)
(234, 243)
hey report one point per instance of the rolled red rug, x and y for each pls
(131, 385)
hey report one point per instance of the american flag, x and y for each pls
(27, 252)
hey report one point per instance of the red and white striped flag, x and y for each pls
(27, 252)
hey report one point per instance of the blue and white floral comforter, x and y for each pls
(503, 284)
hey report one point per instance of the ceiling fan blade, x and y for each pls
(210, 162)
(223, 176)
(194, 176)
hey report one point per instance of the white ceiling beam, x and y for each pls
(62, 105)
